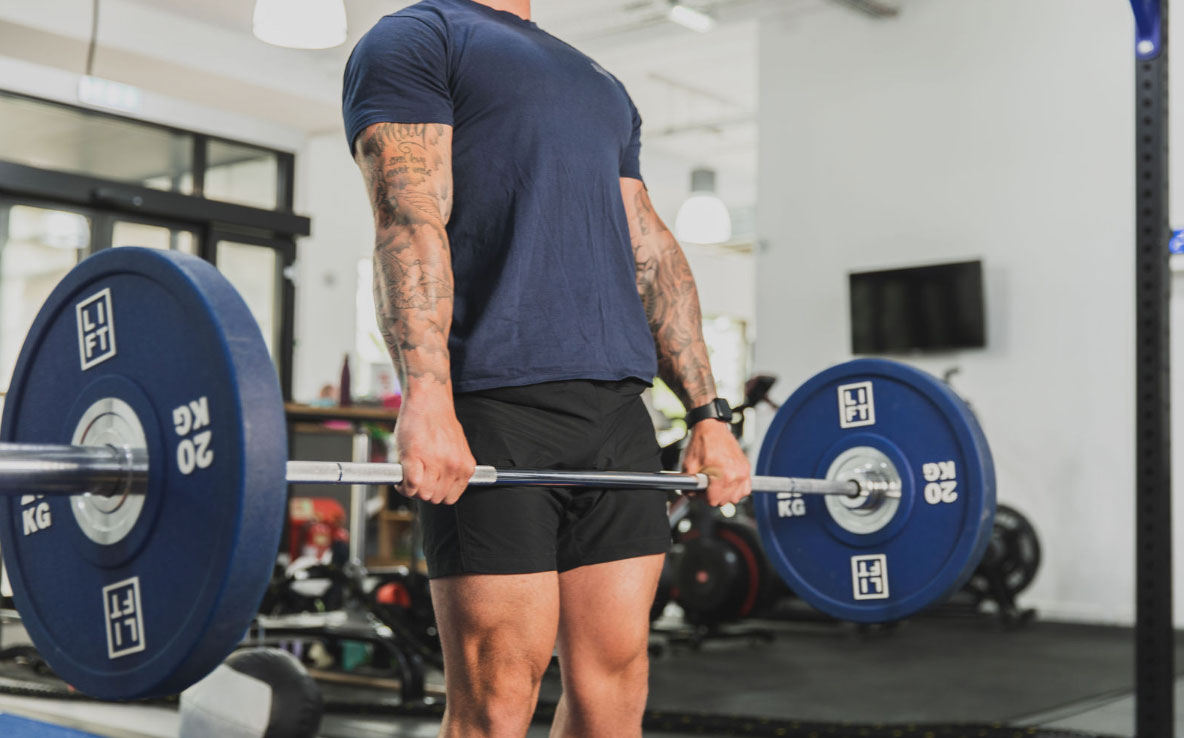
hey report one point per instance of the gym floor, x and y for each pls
(933, 670)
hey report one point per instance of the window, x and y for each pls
(242, 174)
(50, 136)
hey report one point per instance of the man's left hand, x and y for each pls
(714, 451)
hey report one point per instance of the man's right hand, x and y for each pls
(437, 462)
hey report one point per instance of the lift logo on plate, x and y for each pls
(125, 618)
(96, 329)
(857, 406)
(869, 575)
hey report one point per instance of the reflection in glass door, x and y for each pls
(258, 267)
(255, 272)
(131, 233)
(38, 246)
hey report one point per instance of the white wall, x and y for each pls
(724, 279)
(999, 129)
(1178, 422)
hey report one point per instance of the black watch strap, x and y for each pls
(718, 409)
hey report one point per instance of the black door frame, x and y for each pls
(285, 249)
(211, 221)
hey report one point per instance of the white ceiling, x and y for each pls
(577, 20)
(697, 92)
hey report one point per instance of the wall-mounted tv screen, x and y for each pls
(929, 308)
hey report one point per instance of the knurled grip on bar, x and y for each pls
(333, 472)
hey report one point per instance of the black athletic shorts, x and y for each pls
(519, 530)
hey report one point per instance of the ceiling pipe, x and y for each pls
(651, 19)
(874, 8)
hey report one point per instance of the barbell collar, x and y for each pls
(40, 469)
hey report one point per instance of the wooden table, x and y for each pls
(351, 414)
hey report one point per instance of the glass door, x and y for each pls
(38, 246)
(153, 235)
(258, 268)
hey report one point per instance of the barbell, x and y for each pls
(114, 471)
(143, 473)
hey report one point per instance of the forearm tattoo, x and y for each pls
(671, 302)
(408, 172)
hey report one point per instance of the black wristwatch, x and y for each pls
(718, 409)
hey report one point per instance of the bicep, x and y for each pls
(408, 171)
(631, 190)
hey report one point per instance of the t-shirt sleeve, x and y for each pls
(631, 158)
(398, 73)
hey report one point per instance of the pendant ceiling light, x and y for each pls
(689, 17)
(300, 24)
(703, 218)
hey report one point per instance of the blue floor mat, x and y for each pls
(15, 727)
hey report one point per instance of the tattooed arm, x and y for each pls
(671, 302)
(408, 172)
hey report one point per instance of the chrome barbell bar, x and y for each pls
(110, 471)
(335, 472)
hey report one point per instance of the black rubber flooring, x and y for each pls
(930, 671)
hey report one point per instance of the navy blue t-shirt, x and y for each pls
(541, 255)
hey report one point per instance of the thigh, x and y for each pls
(496, 530)
(491, 530)
(496, 630)
(616, 524)
(604, 619)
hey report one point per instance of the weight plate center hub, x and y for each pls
(880, 489)
(108, 519)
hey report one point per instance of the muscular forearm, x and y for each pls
(408, 172)
(413, 297)
(671, 301)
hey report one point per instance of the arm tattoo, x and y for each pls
(408, 171)
(671, 301)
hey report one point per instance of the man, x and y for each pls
(528, 293)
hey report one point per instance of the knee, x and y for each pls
(494, 702)
(605, 700)
(613, 678)
(502, 711)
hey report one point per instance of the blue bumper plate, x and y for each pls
(149, 604)
(939, 528)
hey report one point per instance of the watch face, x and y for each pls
(717, 408)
